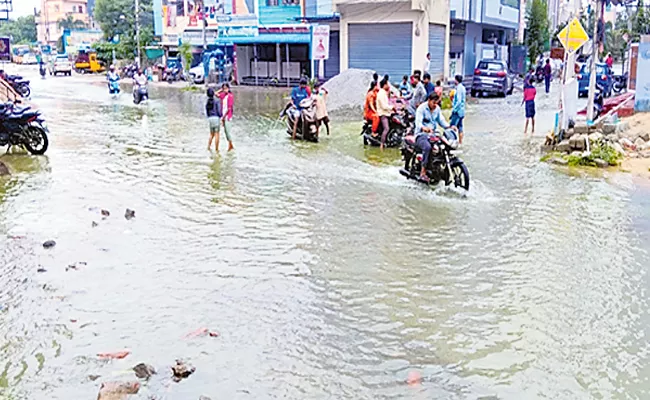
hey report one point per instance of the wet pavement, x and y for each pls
(325, 273)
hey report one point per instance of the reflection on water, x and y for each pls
(327, 274)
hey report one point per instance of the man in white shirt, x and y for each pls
(427, 64)
(384, 109)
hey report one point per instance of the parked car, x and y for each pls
(604, 79)
(29, 58)
(61, 65)
(196, 74)
(492, 76)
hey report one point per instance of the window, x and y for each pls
(282, 2)
(491, 66)
(81, 9)
(56, 8)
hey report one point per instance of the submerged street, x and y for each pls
(326, 273)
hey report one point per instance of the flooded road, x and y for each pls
(326, 273)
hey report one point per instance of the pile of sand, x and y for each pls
(348, 89)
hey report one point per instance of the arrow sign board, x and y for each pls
(576, 34)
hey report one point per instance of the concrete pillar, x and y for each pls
(344, 56)
(278, 60)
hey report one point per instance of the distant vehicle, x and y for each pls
(492, 76)
(29, 59)
(88, 63)
(604, 79)
(196, 74)
(61, 65)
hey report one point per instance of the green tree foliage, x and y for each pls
(70, 23)
(21, 30)
(185, 50)
(537, 32)
(117, 18)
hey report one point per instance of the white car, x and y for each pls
(29, 58)
(196, 74)
(61, 65)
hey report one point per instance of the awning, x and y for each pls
(294, 38)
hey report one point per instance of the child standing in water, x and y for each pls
(214, 112)
(529, 100)
(320, 96)
(227, 101)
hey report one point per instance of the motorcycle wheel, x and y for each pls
(25, 91)
(461, 176)
(37, 141)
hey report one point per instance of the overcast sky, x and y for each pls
(24, 7)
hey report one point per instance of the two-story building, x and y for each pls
(481, 29)
(394, 36)
(53, 11)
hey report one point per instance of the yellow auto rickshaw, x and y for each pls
(87, 63)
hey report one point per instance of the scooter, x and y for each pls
(140, 94)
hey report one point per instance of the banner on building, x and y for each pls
(5, 49)
(320, 42)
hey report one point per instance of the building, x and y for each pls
(53, 11)
(481, 29)
(394, 36)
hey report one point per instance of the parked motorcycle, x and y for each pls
(444, 164)
(20, 85)
(172, 75)
(398, 127)
(599, 100)
(619, 83)
(140, 94)
(129, 71)
(307, 124)
(24, 127)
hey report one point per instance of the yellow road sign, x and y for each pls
(577, 36)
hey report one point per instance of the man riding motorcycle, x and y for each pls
(113, 78)
(427, 119)
(139, 80)
(298, 94)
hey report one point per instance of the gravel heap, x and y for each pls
(348, 89)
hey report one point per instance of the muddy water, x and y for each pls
(326, 274)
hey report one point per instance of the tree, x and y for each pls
(537, 29)
(117, 18)
(70, 23)
(21, 30)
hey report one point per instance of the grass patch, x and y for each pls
(546, 157)
(192, 89)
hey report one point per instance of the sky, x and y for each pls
(24, 7)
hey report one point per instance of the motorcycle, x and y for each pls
(307, 125)
(620, 83)
(113, 87)
(129, 71)
(140, 94)
(444, 164)
(20, 85)
(172, 75)
(24, 127)
(398, 127)
(599, 100)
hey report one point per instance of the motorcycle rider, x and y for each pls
(139, 80)
(427, 119)
(298, 94)
(112, 76)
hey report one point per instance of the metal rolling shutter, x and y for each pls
(437, 50)
(384, 48)
(332, 65)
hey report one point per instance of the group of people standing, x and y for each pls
(417, 90)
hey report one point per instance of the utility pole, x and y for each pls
(204, 25)
(592, 65)
(137, 31)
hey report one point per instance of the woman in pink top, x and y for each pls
(227, 102)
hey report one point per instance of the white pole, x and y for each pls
(592, 66)
(137, 31)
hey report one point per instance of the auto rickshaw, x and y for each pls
(88, 63)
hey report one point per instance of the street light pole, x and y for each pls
(137, 31)
(592, 65)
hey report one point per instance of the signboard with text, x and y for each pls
(320, 42)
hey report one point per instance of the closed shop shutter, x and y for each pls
(437, 50)
(332, 65)
(384, 48)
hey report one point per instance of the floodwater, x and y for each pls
(326, 273)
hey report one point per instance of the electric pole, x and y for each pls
(137, 31)
(592, 65)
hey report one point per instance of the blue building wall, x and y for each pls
(473, 35)
(276, 15)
